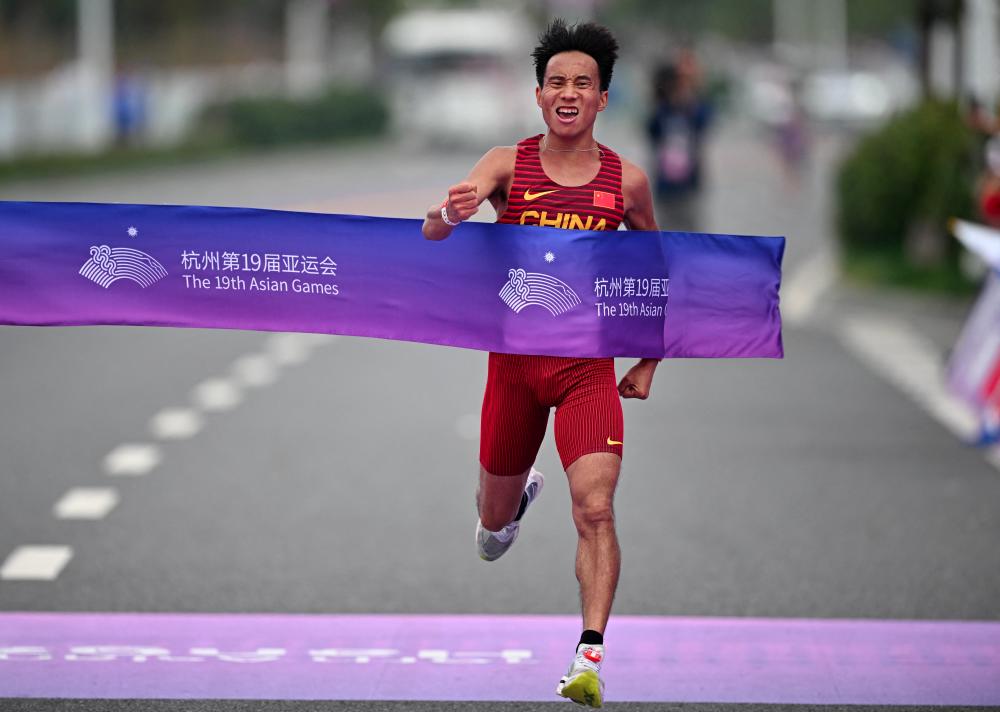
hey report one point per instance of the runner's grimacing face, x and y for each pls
(570, 95)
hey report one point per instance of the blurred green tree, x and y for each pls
(896, 192)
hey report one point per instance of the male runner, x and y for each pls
(563, 178)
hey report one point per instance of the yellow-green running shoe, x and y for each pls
(582, 683)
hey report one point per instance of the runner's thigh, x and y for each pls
(589, 418)
(513, 422)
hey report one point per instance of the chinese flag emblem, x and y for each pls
(604, 200)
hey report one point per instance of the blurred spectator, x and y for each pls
(989, 184)
(980, 119)
(792, 137)
(676, 127)
(129, 108)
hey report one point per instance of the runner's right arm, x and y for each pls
(488, 180)
(638, 382)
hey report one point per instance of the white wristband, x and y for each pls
(444, 216)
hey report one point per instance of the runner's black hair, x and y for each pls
(586, 37)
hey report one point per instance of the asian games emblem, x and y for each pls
(533, 288)
(109, 264)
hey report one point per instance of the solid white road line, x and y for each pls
(175, 424)
(35, 563)
(802, 291)
(216, 394)
(86, 503)
(912, 363)
(132, 459)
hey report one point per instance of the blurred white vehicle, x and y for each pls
(462, 77)
(847, 97)
(858, 97)
(767, 93)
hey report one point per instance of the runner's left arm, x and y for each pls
(638, 198)
(638, 382)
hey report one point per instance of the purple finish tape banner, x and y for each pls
(505, 288)
(483, 657)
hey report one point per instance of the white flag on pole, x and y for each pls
(974, 366)
(980, 240)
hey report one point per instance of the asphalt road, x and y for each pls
(802, 488)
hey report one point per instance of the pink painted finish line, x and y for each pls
(480, 657)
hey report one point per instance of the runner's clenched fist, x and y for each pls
(463, 202)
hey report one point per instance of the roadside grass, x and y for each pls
(123, 159)
(888, 267)
(58, 165)
(340, 115)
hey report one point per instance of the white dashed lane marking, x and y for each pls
(86, 503)
(288, 349)
(44, 563)
(176, 424)
(132, 459)
(216, 395)
(35, 563)
(255, 370)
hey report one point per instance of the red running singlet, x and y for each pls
(520, 390)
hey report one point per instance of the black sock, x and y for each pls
(591, 637)
(524, 506)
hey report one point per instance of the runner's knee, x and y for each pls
(592, 514)
(498, 498)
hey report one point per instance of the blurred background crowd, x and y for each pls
(910, 88)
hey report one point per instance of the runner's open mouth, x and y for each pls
(567, 112)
